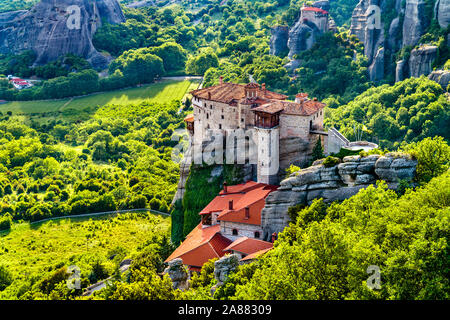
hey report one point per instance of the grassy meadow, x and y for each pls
(81, 107)
(30, 250)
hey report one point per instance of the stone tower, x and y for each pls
(268, 154)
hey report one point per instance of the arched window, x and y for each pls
(257, 234)
(235, 232)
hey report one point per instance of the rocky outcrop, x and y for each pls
(401, 70)
(376, 69)
(7, 17)
(367, 30)
(442, 12)
(303, 34)
(279, 40)
(53, 28)
(415, 22)
(420, 62)
(334, 183)
(178, 274)
(222, 269)
(442, 77)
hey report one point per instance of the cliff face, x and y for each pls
(404, 30)
(442, 77)
(332, 184)
(53, 28)
(416, 22)
(421, 60)
(442, 12)
(279, 40)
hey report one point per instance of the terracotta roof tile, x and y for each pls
(231, 93)
(200, 246)
(250, 195)
(256, 254)
(314, 9)
(306, 108)
(189, 118)
(249, 245)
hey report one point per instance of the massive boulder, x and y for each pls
(415, 23)
(178, 274)
(442, 12)
(420, 62)
(371, 35)
(442, 77)
(376, 69)
(302, 36)
(222, 269)
(279, 40)
(54, 28)
(334, 183)
(401, 70)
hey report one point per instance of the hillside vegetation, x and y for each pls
(36, 256)
(119, 158)
(408, 111)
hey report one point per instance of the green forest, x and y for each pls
(77, 142)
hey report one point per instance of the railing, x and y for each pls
(339, 135)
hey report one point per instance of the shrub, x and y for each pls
(331, 162)
(5, 222)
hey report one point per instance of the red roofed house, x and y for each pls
(231, 222)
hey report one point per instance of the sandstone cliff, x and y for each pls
(53, 28)
(333, 184)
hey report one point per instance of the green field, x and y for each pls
(31, 250)
(161, 92)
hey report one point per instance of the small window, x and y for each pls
(242, 120)
(257, 234)
(220, 126)
(223, 117)
(235, 232)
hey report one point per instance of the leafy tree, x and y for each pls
(5, 278)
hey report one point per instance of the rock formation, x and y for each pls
(303, 34)
(178, 274)
(442, 77)
(279, 40)
(222, 269)
(376, 69)
(335, 183)
(421, 60)
(442, 12)
(405, 30)
(415, 23)
(401, 70)
(53, 28)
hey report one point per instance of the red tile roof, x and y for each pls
(189, 118)
(249, 245)
(305, 108)
(200, 246)
(315, 10)
(250, 195)
(255, 255)
(231, 93)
